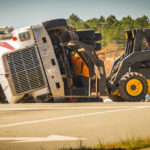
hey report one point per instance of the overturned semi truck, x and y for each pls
(51, 61)
(36, 63)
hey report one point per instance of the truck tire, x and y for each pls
(67, 36)
(133, 87)
(86, 34)
(89, 42)
(98, 46)
(2, 96)
(98, 37)
(55, 24)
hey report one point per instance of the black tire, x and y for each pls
(133, 91)
(86, 34)
(2, 96)
(98, 37)
(67, 36)
(116, 98)
(89, 42)
(55, 24)
(98, 46)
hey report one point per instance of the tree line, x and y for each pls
(112, 29)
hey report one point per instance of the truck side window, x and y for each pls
(57, 85)
(53, 62)
(44, 40)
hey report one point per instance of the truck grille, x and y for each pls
(26, 70)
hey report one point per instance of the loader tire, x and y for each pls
(98, 37)
(86, 34)
(133, 87)
(55, 24)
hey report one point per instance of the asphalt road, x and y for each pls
(63, 125)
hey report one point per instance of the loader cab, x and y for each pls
(132, 66)
(136, 39)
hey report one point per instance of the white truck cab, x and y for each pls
(28, 65)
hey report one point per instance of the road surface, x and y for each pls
(64, 125)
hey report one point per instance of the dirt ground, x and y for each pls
(108, 54)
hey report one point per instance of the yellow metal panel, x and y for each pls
(148, 83)
(116, 92)
(138, 87)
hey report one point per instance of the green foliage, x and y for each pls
(113, 29)
(73, 20)
(128, 144)
(111, 20)
(93, 23)
(141, 22)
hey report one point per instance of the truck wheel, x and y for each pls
(67, 36)
(89, 42)
(2, 96)
(86, 34)
(55, 24)
(133, 87)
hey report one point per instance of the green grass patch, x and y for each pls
(128, 144)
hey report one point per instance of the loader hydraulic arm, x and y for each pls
(90, 58)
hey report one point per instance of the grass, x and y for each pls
(128, 144)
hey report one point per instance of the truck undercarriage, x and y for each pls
(68, 42)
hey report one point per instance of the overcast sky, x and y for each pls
(21, 13)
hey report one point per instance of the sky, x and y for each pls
(21, 13)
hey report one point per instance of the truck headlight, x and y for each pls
(24, 36)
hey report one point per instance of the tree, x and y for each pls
(73, 20)
(111, 20)
(93, 23)
(141, 22)
(114, 30)
(101, 19)
(127, 23)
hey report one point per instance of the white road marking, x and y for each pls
(72, 116)
(40, 139)
(65, 108)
